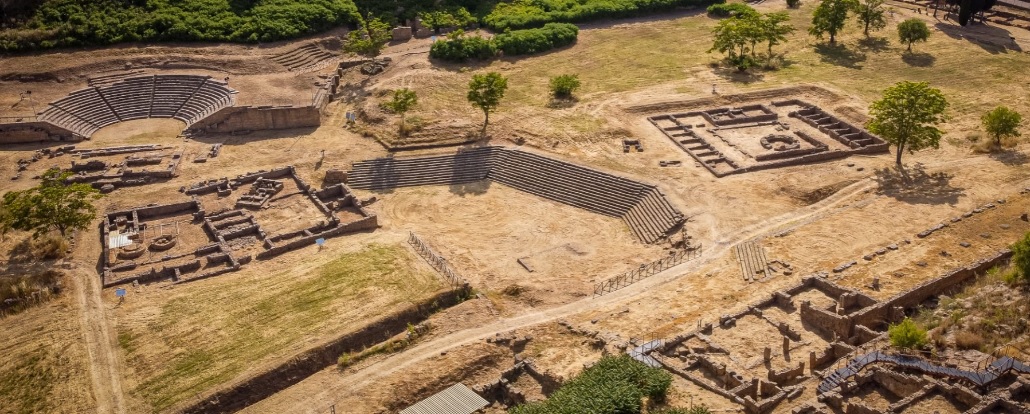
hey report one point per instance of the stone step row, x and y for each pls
(564, 183)
(87, 110)
(644, 209)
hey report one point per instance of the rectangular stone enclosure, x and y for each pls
(757, 136)
(225, 224)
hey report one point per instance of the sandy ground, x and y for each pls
(815, 217)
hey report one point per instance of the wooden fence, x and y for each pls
(645, 271)
(435, 260)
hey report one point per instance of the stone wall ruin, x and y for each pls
(222, 241)
(713, 136)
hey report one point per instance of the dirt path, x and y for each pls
(103, 358)
(328, 389)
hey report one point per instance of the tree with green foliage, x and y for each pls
(403, 100)
(485, 92)
(907, 335)
(829, 17)
(907, 116)
(870, 15)
(775, 30)
(913, 30)
(439, 19)
(562, 86)
(75, 23)
(733, 36)
(614, 385)
(1021, 257)
(1001, 122)
(370, 39)
(52, 205)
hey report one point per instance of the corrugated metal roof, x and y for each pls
(456, 399)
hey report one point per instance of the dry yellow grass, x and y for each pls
(44, 366)
(183, 341)
(670, 56)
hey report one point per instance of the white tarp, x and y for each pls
(116, 240)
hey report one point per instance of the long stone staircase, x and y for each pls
(642, 206)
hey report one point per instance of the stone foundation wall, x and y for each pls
(881, 313)
(238, 119)
(33, 131)
(823, 320)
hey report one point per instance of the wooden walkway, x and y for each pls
(996, 369)
(752, 260)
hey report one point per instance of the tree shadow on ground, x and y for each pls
(733, 75)
(992, 39)
(1009, 157)
(874, 44)
(840, 55)
(21, 252)
(475, 187)
(919, 59)
(914, 185)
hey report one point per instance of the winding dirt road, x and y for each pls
(100, 343)
(330, 390)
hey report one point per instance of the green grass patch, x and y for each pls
(26, 382)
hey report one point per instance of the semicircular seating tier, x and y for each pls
(641, 206)
(188, 98)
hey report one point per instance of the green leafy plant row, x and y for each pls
(459, 47)
(520, 14)
(63, 23)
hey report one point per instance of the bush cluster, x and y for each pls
(459, 47)
(907, 335)
(521, 14)
(61, 23)
(616, 384)
(730, 9)
(529, 41)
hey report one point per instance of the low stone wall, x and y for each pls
(34, 131)
(367, 223)
(820, 319)
(881, 313)
(237, 119)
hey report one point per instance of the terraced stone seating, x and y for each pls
(384, 173)
(643, 207)
(187, 98)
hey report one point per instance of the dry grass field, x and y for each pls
(183, 340)
(173, 344)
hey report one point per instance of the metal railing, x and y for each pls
(435, 260)
(645, 271)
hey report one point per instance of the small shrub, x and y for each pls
(49, 247)
(562, 86)
(343, 361)
(968, 340)
(1021, 258)
(730, 10)
(907, 335)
